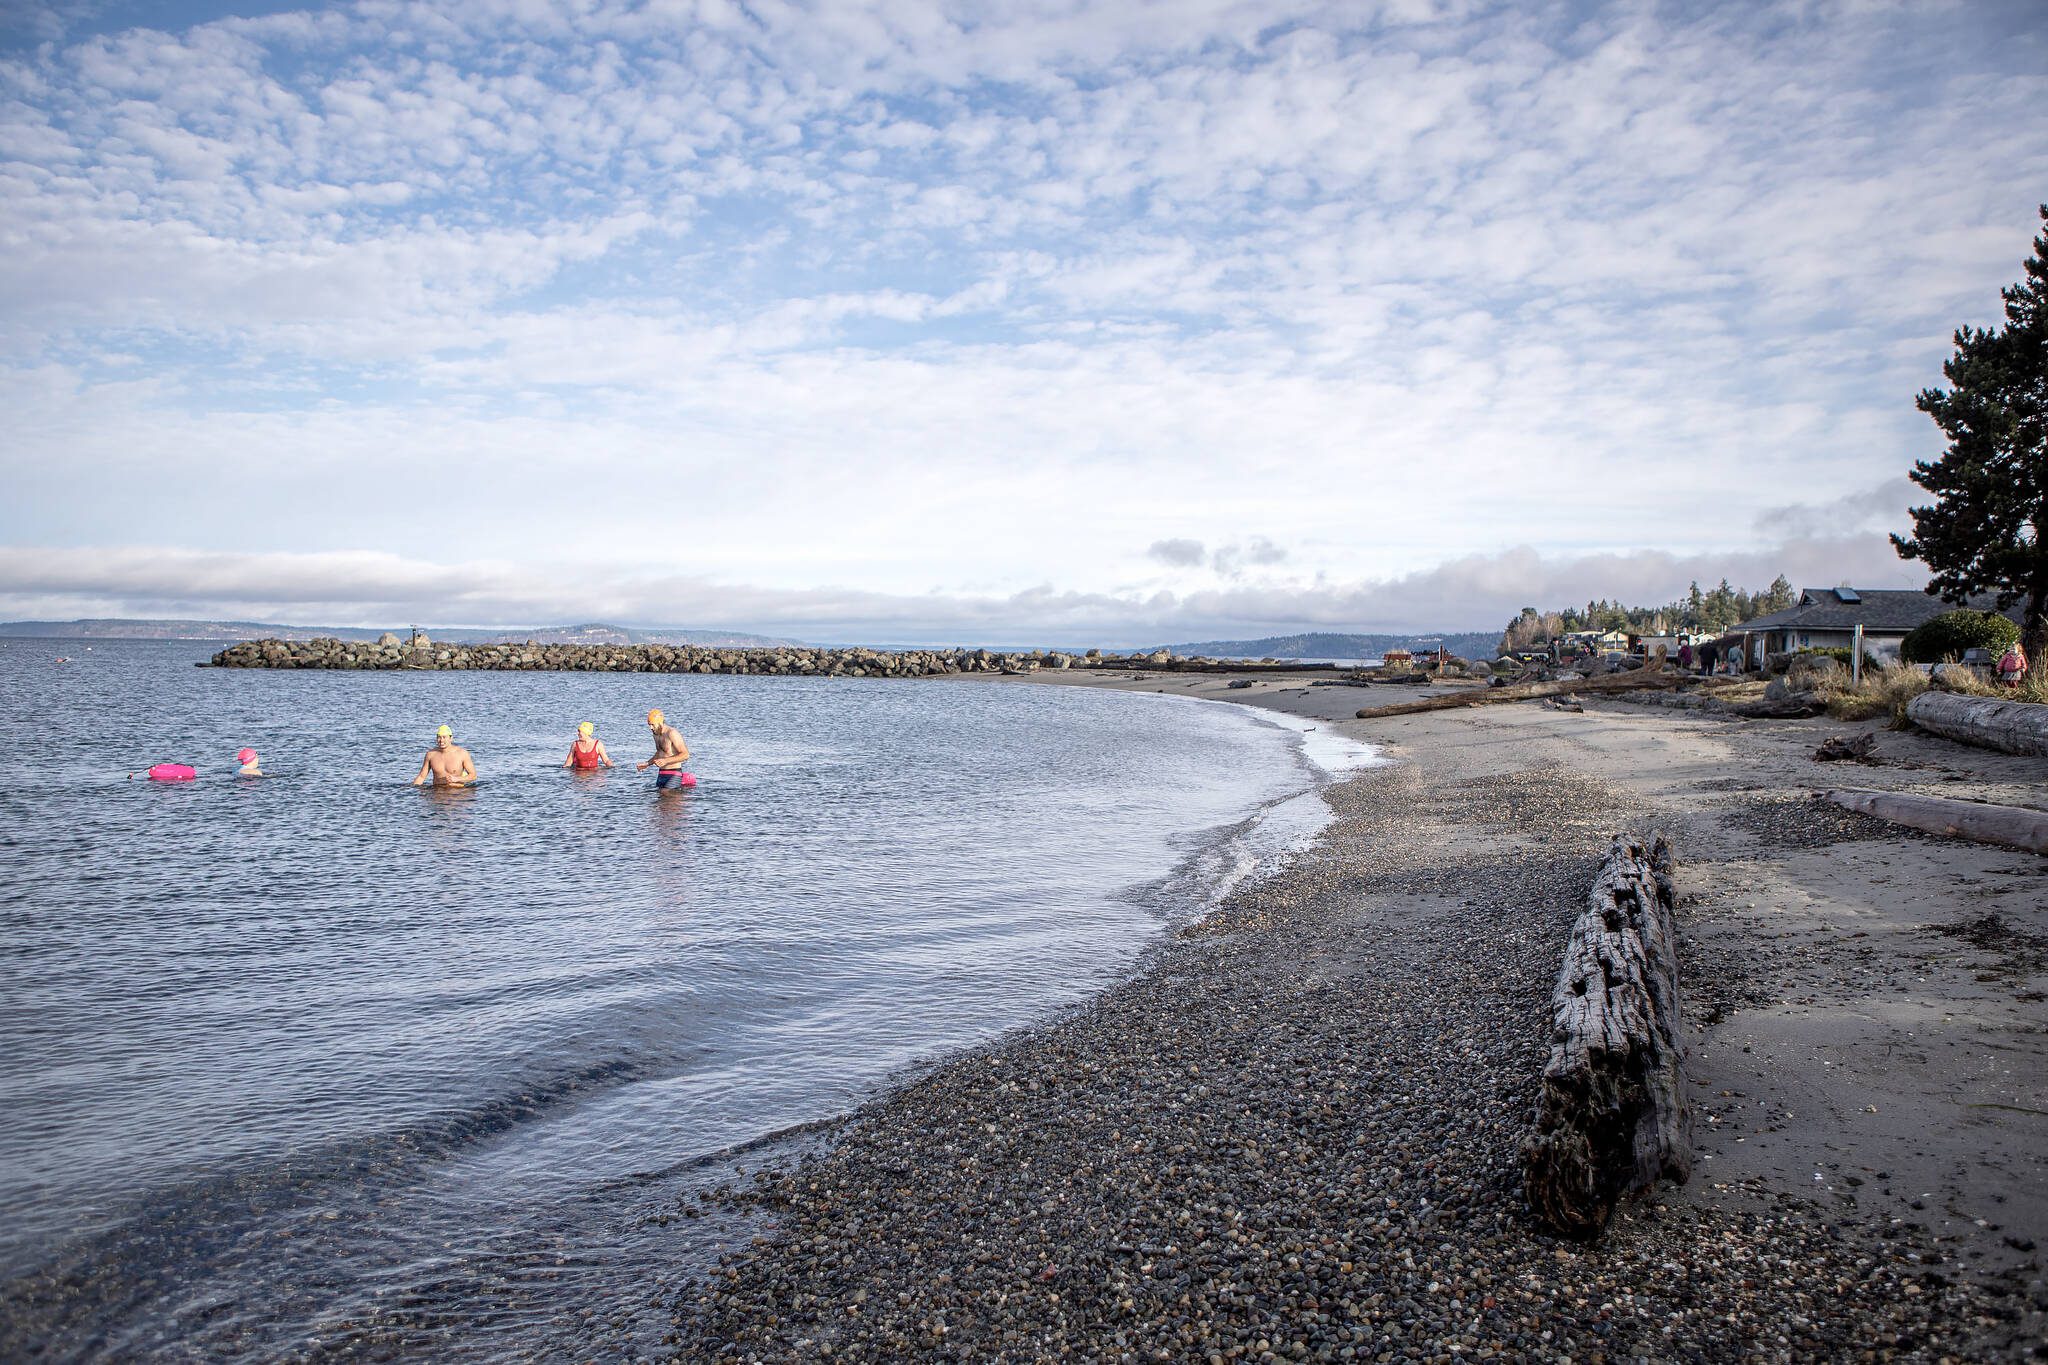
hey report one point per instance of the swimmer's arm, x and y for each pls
(468, 773)
(602, 756)
(570, 761)
(422, 775)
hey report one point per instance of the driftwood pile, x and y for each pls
(1839, 748)
(1634, 681)
(1612, 1119)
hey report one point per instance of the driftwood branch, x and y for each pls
(2017, 727)
(1612, 1119)
(2011, 826)
(1634, 681)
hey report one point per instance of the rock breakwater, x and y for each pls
(420, 652)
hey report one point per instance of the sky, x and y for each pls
(1099, 322)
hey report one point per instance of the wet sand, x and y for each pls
(1292, 1135)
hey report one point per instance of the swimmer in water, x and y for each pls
(249, 768)
(448, 763)
(587, 750)
(670, 753)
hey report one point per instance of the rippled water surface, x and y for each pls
(323, 1063)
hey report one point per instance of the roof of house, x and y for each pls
(1886, 609)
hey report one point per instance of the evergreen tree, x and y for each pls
(1987, 529)
(1779, 596)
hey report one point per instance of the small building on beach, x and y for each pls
(1827, 618)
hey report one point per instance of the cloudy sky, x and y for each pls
(920, 320)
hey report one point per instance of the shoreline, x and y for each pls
(1253, 1147)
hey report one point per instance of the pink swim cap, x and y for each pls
(247, 756)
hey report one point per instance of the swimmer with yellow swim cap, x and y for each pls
(670, 753)
(587, 750)
(448, 763)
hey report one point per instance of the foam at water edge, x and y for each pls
(1324, 747)
(1259, 845)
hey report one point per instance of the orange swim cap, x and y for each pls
(654, 718)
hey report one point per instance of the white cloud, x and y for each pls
(994, 296)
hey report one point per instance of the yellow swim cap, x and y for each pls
(654, 717)
(586, 728)
(444, 733)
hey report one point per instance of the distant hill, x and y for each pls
(122, 629)
(1320, 645)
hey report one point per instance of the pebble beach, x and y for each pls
(1292, 1134)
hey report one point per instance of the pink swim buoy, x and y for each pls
(668, 779)
(173, 772)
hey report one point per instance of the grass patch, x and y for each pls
(1887, 689)
(1884, 692)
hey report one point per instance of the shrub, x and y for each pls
(1952, 632)
(1840, 654)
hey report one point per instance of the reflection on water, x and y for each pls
(328, 1059)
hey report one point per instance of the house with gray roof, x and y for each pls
(1826, 618)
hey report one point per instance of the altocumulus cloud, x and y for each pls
(863, 319)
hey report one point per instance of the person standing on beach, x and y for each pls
(448, 763)
(670, 753)
(586, 750)
(1685, 656)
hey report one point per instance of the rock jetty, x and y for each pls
(420, 652)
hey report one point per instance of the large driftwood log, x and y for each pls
(2012, 826)
(1633, 681)
(2017, 727)
(1612, 1119)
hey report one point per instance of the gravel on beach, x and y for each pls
(1292, 1137)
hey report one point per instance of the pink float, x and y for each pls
(173, 772)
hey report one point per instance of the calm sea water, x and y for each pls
(322, 1064)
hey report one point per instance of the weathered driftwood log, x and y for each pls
(1612, 1119)
(2011, 826)
(2017, 727)
(1486, 696)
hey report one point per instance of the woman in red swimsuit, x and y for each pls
(586, 750)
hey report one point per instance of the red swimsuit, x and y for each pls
(583, 758)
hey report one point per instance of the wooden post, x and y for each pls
(1612, 1119)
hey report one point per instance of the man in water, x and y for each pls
(670, 753)
(448, 763)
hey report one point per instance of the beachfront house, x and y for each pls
(1827, 618)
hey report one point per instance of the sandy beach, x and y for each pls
(1292, 1135)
